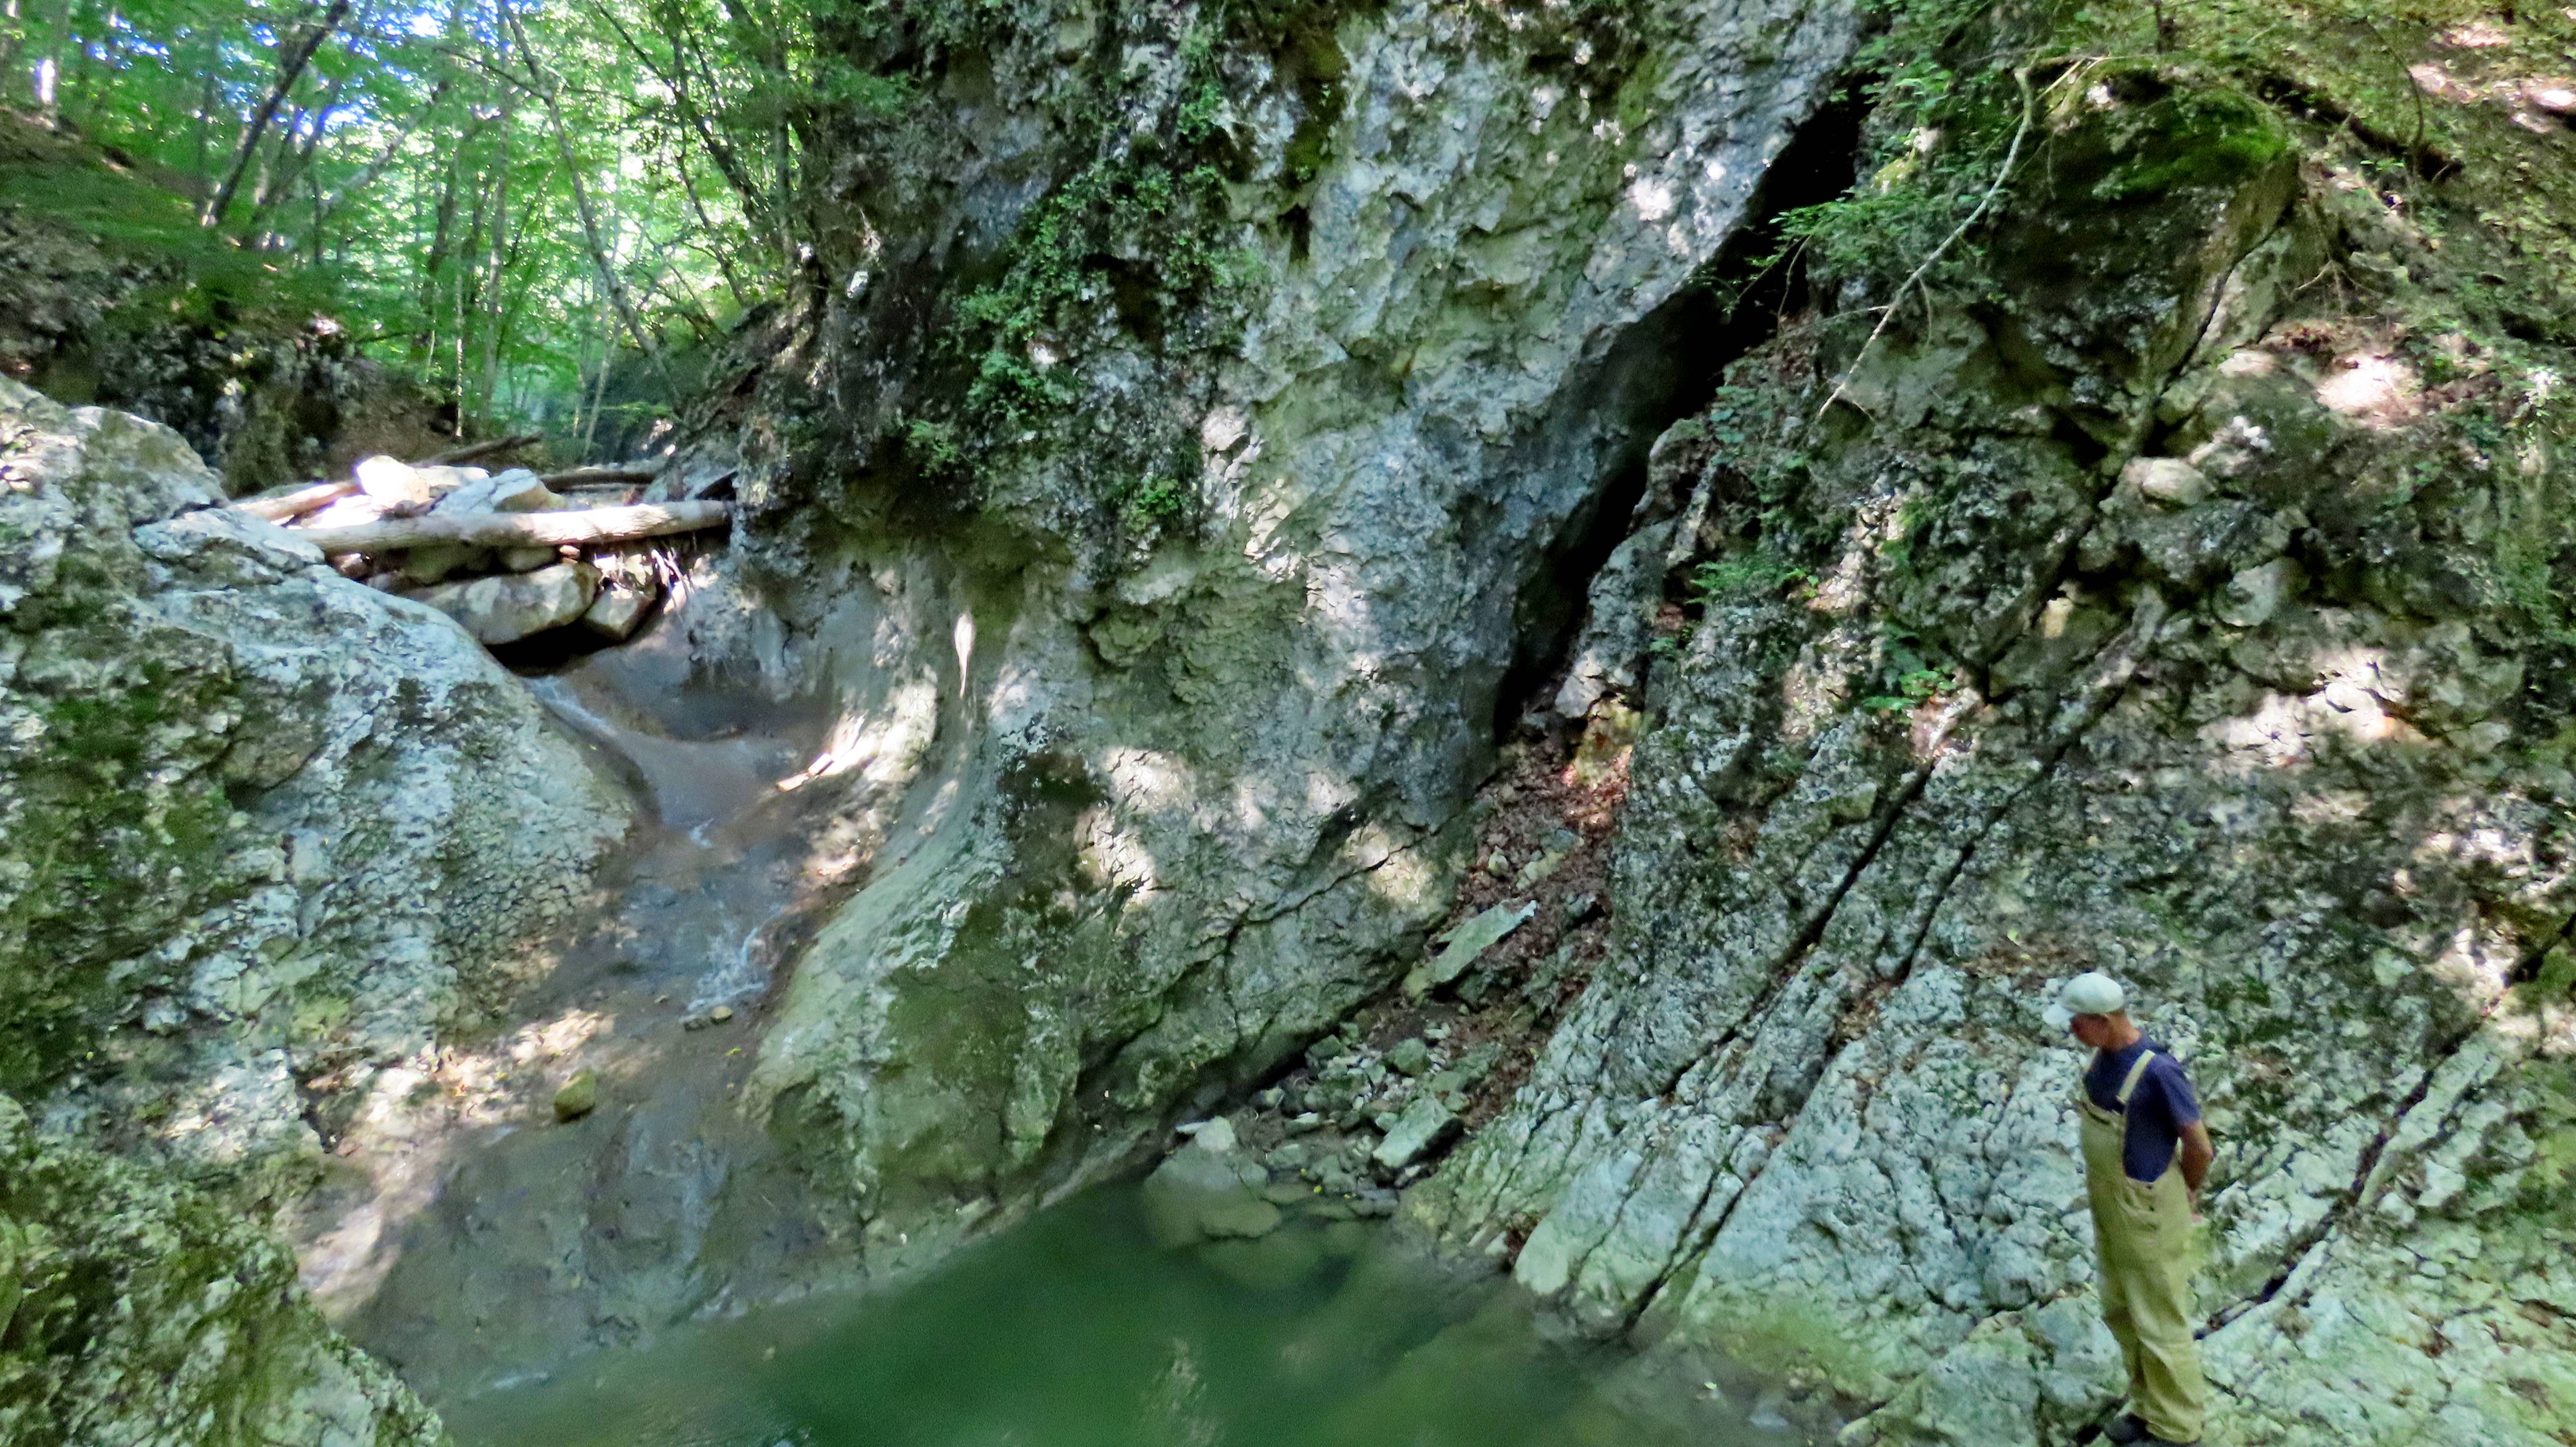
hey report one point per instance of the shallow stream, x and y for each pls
(1075, 1330)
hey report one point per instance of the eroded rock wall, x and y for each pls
(1198, 768)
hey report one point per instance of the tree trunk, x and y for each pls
(292, 59)
(471, 451)
(599, 255)
(297, 503)
(523, 529)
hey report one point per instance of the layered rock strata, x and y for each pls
(2156, 615)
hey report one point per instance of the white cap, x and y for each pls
(2090, 993)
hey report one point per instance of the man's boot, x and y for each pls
(2127, 1431)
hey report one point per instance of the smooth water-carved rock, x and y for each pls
(265, 817)
(1195, 794)
(135, 1310)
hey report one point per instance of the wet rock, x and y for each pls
(1274, 1263)
(577, 1097)
(1422, 1127)
(508, 608)
(1206, 1190)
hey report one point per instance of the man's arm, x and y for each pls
(2194, 1153)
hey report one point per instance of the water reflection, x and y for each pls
(1075, 1331)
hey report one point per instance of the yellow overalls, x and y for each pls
(2148, 1246)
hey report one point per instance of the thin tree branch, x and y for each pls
(608, 276)
(290, 68)
(1985, 203)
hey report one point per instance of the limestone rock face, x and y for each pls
(2257, 729)
(258, 823)
(1197, 772)
(133, 1310)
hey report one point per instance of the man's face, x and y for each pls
(2093, 1030)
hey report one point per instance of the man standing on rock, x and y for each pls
(2145, 1156)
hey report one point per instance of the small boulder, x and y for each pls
(510, 607)
(617, 611)
(1425, 1126)
(1409, 1057)
(526, 560)
(516, 490)
(2250, 598)
(1203, 1193)
(1462, 945)
(577, 1097)
(2167, 481)
(392, 481)
(438, 562)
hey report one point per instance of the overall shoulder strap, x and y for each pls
(2137, 1073)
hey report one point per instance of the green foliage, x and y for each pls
(1063, 264)
(1905, 677)
(1944, 107)
(1760, 573)
(1152, 499)
(412, 182)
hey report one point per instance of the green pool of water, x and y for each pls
(1074, 1330)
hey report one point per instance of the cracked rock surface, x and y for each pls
(263, 831)
(2022, 660)
(1189, 803)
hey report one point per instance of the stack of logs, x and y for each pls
(508, 554)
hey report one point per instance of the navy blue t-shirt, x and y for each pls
(2159, 1108)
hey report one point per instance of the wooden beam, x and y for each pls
(297, 503)
(522, 529)
(474, 450)
(582, 476)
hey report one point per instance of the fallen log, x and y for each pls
(522, 529)
(588, 476)
(297, 503)
(473, 450)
